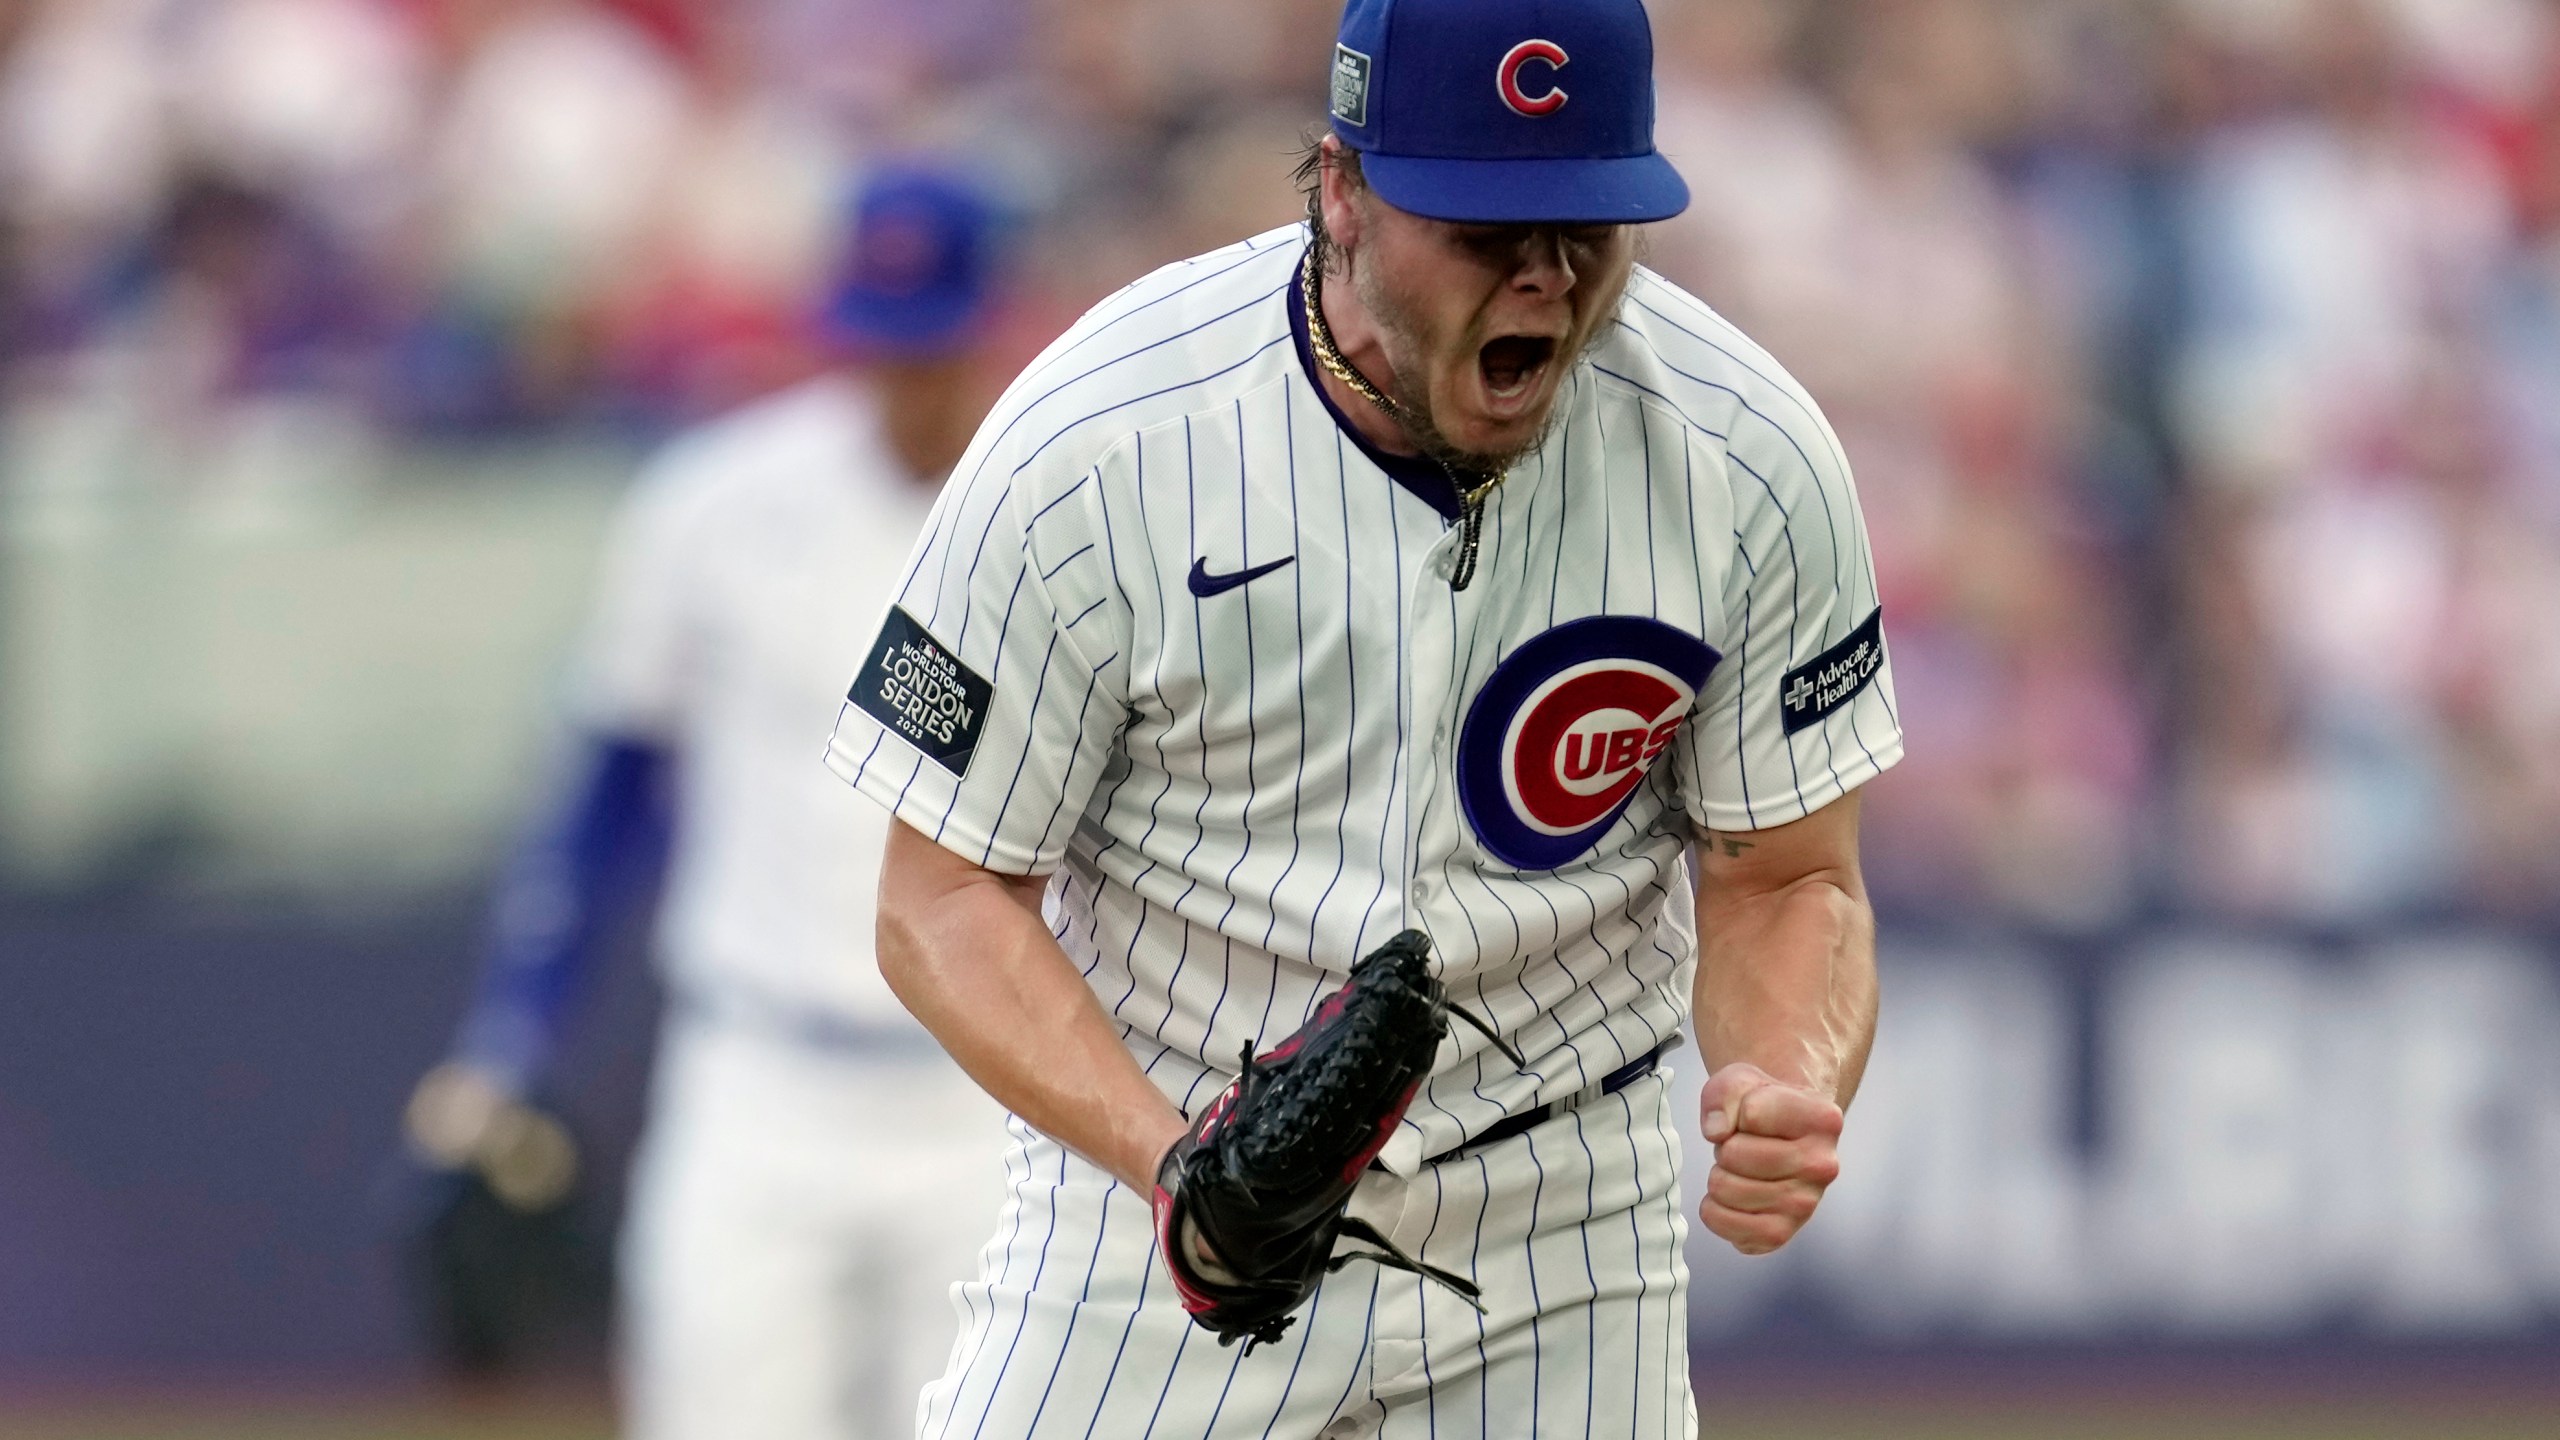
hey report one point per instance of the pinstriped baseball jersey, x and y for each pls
(1176, 632)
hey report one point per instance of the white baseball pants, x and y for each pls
(799, 1218)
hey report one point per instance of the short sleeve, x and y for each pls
(985, 708)
(633, 665)
(1800, 710)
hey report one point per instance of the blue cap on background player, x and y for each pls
(917, 270)
(1505, 111)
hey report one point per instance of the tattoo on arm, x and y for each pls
(1731, 847)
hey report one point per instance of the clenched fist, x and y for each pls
(1777, 1150)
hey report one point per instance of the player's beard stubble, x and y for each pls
(1413, 349)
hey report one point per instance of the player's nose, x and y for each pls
(1544, 265)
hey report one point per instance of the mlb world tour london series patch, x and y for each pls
(923, 693)
(1350, 85)
(1833, 678)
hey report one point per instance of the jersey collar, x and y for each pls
(1423, 479)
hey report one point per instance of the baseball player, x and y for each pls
(1333, 634)
(815, 1174)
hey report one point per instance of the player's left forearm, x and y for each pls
(1786, 971)
(596, 848)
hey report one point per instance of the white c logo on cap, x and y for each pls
(1507, 78)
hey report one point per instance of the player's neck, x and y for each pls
(1356, 336)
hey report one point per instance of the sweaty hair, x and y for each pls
(1309, 178)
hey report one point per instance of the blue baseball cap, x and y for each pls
(917, 270)
(1505, 111)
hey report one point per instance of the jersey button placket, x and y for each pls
(1427, 603)
(1441, 560)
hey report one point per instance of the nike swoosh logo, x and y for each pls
(1204, 584)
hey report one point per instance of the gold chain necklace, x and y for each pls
(1329, 355)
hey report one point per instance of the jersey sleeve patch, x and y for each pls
(1833, 678)
(922, 693)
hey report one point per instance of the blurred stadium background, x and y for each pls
(2200, 360)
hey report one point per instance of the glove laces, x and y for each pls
(1388, 1255)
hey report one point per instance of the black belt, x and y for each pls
(1530, 1119)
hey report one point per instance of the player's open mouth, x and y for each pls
(1511, 365)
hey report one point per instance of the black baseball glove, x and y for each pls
(1262, 1179)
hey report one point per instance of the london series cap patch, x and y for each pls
(923, 693)
(1833, 678)
(1350, 86)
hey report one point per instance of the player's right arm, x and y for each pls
(965, 949)
(984, 712)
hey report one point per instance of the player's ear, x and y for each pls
(1341, 195)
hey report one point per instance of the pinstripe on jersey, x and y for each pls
(1244, 791)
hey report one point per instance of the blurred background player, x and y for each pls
(815, 1174)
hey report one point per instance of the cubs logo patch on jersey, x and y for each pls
(1567, 727)
(922, 692)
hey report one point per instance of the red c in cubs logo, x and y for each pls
(1507, 78)
(1585, 738)
(1559, 738)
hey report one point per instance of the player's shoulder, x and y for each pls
(818, 418)
(763, 448)
(1685, 360)
(1180, 340)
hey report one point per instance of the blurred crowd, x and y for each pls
(2199, 359)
